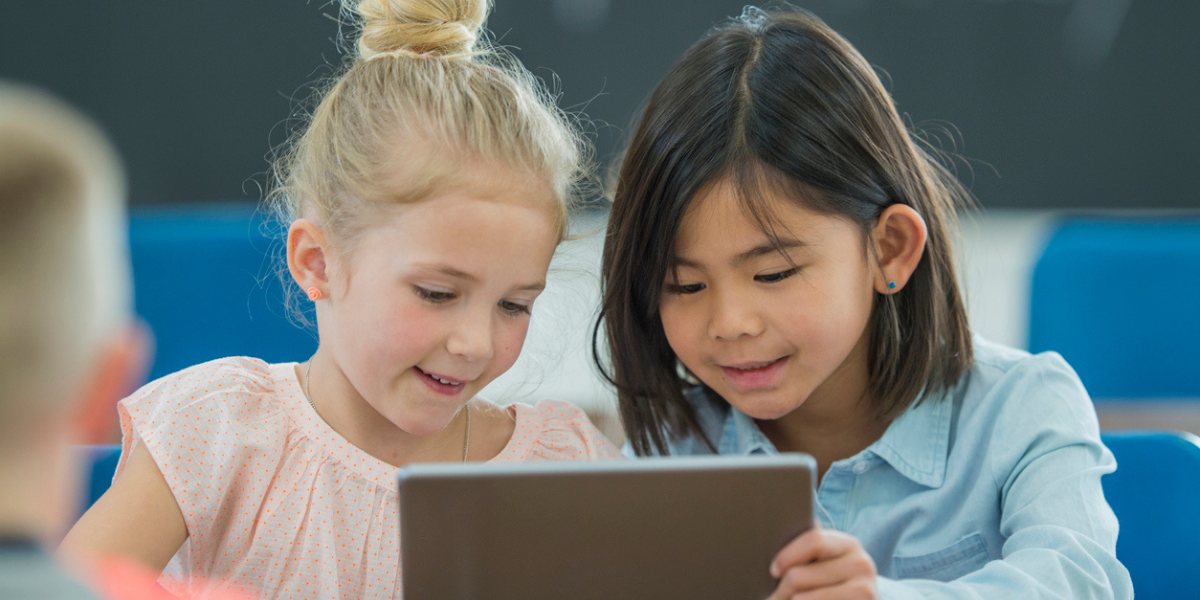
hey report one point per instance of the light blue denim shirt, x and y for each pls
(991, 490)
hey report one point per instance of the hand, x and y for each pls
(824, 565)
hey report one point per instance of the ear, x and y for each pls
(307, 251)
(119, 369)
(899, 237)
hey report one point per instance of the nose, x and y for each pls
(732, 316)
(471, 339)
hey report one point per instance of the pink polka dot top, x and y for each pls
(276, 501)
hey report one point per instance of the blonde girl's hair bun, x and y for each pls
(437, 27)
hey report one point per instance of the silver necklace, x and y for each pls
(467, 406)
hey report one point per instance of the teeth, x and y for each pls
(446, 382)
(758, 366)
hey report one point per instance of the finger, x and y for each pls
(814, 544)
(855, 589)
(836, 543)
(802, 550)
(827, 573)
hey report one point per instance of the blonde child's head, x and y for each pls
(433, 180)
(423, 101)
(67, 287)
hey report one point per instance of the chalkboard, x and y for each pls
(1053, 103)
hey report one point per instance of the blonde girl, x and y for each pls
(779, 277)
(426, 198)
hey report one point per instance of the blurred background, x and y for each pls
(1058, 103)
(1075, 121)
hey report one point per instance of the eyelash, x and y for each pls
(693, 288)
(512, 309)
(777, 277)
(432, 296)
(690, 288)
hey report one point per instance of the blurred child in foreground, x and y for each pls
(69, 345)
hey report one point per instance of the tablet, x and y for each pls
(656, 528)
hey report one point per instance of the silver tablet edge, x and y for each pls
(651, 464)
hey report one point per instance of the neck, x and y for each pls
(344, 409)
(33, 490)
(836, 421)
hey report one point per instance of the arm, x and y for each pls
(1046, 460)
(1053, 549)
(137, 517)
(1059, 546)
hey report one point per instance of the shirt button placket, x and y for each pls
(833, 494)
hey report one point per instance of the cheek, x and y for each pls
(682, 329)
(831, 313)
(510, 338)
(395, 330)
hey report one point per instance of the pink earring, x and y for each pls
(314, 294)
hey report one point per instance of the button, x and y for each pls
(860, 467)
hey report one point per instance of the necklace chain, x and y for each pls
(467, 407)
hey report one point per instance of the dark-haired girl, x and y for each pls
(778, 277)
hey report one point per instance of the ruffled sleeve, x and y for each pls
(206, 428)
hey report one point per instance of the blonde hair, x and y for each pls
(422, 97)
(67, 284)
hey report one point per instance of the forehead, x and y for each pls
(718, 222)
(418, 172)
(480, 229)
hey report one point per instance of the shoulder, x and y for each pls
(209, 429)
(1025, 405)
(557, 430)
(240, 386)
(1010, 382)
(236, 402)
(234, 372)
(34, 574)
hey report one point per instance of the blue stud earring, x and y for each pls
(891, 285)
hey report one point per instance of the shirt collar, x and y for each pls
(741, 436)
(915, 444)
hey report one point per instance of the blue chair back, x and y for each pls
(1119, 298)
(1155, 493)
(206, 285)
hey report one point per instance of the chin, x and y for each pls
(766, 406)
(424, 422)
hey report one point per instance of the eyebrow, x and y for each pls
(762, 249)
(450, 271)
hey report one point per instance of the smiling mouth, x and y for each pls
(440, 379)
(753, 366)
(757, 375)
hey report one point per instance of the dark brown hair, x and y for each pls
(774, 100)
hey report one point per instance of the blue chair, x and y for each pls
(1118, 298)
(99, 465)
(1155, 493)
(205, 283)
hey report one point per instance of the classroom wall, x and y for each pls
(1054, 103)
